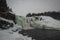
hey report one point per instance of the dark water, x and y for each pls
(40, 34)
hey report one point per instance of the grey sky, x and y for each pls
(22, 7)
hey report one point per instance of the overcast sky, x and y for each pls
(22, 7)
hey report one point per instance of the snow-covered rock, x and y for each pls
(47, 22)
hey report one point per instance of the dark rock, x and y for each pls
(5, 25)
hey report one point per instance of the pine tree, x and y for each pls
(3, 6)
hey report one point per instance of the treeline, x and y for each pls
(5, 11)
(54, 14)
(3, 6)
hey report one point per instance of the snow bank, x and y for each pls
(47, 22)
(15, 36)
(12, 34)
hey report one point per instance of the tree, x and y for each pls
(28, 15)
(3, 6)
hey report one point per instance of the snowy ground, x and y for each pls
(10, 35)
(47, 22)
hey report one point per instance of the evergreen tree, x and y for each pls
(3, 6)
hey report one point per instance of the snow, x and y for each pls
(10, 21)
(47, 22)
(13, 35)
(50, 22)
